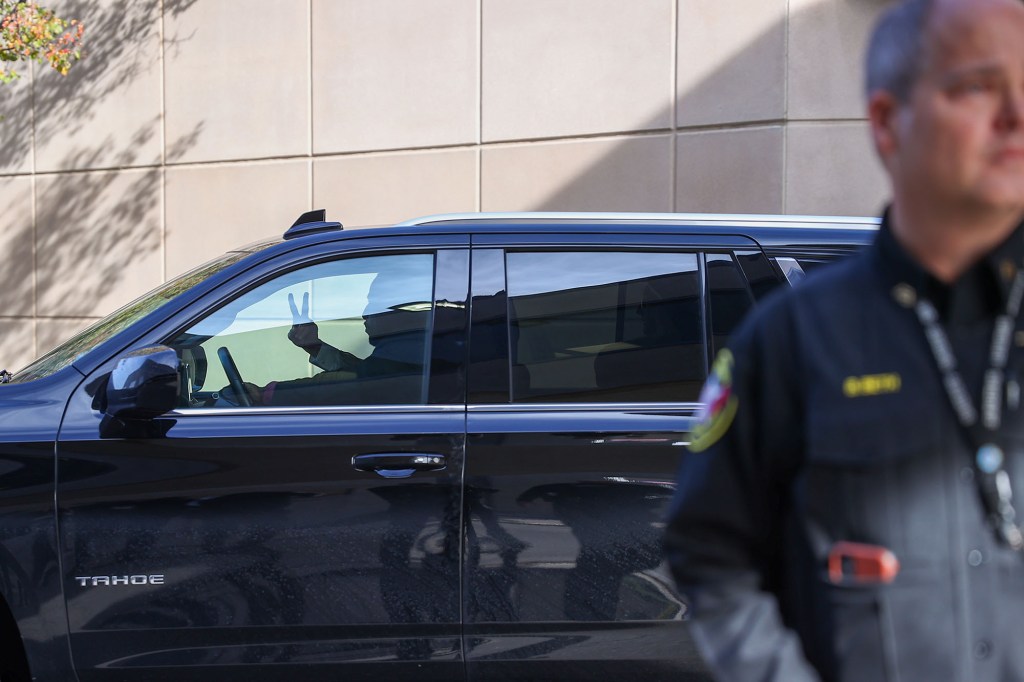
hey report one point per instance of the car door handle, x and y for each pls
(399, 464)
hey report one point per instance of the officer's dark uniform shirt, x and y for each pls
(827, 421)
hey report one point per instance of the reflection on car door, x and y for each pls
(568, 474)
(261, 543)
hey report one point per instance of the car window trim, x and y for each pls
(661, 244)
(265, 264)
(614, 241)
(191, 412)
(265, 270)
(586, 407)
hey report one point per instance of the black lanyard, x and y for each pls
(981, 429)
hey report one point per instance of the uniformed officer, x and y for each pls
(852, 503)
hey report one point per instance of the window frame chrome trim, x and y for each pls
(527, 408)
(791, 269)
(705, 307)
(191, 412)
(523, 408)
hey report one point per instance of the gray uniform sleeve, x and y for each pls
(725, 533)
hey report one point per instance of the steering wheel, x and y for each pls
(234, 378)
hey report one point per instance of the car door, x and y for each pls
(587, 358)
(311, 535)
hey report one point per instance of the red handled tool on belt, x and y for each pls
(855, 563)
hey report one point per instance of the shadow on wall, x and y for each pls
(800, 149)
(114, 56)
(97, 234)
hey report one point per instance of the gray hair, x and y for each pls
(896, 50)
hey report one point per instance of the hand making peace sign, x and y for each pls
(304, 332)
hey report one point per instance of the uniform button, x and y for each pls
(982, 649)
(975, 557)
(967, 475)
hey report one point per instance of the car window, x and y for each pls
(345, 332)
(759, 273)
(797, 264)
(605, 326)
(729, 298)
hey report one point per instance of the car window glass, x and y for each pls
(489, 348)
(347, 332)
(605, 327)
(729, 298)
(759, 272)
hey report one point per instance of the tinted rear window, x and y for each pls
(605, 326)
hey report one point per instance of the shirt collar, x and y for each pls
(996, 270)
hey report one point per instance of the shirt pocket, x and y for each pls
(875, 473)
(880, 472)
(902, 631)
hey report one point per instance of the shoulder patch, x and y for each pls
(719, 405)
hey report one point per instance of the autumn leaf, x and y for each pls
(29, 32)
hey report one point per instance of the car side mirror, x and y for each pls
(143, 385)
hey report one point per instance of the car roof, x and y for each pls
(619, 218)
(770, 231)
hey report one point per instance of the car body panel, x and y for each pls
(30, 574)
(275, 555)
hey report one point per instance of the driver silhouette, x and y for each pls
(391, 373)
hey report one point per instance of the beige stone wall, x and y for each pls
(196, 125)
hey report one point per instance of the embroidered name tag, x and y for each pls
(871, 384)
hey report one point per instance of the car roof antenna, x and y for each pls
(312, 222)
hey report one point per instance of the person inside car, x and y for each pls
(391, 373)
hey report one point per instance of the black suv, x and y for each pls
(436, 451)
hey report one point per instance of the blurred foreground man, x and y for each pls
(848, 508)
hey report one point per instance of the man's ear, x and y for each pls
(883, 110)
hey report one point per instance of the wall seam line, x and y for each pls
(35, 212)
(607, 135)
(478, 199)
(784, 204)
(163, 144)
(35, 270)
(674, 109)
(309, 107)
